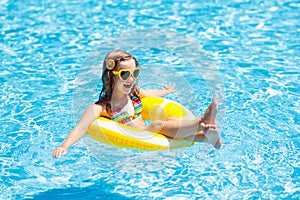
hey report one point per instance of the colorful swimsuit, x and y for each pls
(123, 117)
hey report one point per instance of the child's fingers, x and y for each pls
(170, 87)
(58, 152)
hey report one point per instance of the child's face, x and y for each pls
(125, 86)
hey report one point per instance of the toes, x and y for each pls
(216, 97)
(213, 126)
(212, 129)
(208, 126)
(203, 125)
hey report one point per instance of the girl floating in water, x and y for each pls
(120, 101)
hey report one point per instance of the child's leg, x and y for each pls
(201, 129)
(177, 128)
(210, 135)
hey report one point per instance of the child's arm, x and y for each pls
(157, 93)
(90, 115)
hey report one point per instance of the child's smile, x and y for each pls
(128, 85)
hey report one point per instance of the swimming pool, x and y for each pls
(51, 53)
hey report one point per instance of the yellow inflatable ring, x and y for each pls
(154, 108)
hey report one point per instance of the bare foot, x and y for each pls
(208, 123)
(213, 137)
(210, 136)
(209, 117)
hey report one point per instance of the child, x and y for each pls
(120, 101)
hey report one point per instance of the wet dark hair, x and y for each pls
(111, 61)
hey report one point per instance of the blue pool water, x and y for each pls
(245, 51)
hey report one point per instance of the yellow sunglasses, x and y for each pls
(124, 74)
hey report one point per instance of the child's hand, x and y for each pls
(58, 152)
(170, 88)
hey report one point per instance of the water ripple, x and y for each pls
(254, 45)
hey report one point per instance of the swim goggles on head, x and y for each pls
(124, 74)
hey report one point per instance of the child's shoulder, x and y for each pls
(100, 108)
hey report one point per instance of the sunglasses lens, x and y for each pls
(136, 73)
(125, 75)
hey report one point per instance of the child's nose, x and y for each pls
(131, 78)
